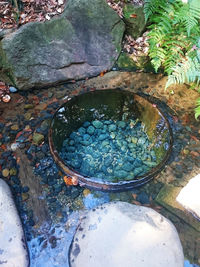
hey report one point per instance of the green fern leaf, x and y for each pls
(197, 109)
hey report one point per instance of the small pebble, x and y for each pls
(5, 172)
(12, 89)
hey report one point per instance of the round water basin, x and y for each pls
(110, 139)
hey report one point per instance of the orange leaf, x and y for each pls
(194, 153)
(133, 16)
(68, 180)
(134, 196)
(3, 147)
(102, 73)
(194, 138)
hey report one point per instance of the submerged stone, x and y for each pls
(82, 130)
(120, 173)
(97, 124)
(90, 129)
(121, 124)
(112, 128)
(109, 149)
(128, 167)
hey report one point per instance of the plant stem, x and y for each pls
(17, 7)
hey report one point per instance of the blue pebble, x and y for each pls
(86, 137)
(82, 130)
(75, 163)
(86, 143)
(85, 168)
(105, 143)
(106, 149)
(108, 161)
(97, 132)
(121, 124)
(143, 198)
(137, 163)
(128, 167)
(86, 124)
(141, 141)
(103, 137)
(104, 169)
(107, 122)
(120, 173)
(71, 148)
(90, 130)
(97, 124)
(138, 171)
(12, 89)
(71, 142)
(73, 135)
(112, 128)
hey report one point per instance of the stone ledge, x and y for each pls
(167, 198)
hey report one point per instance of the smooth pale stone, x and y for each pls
(189, 196)
(120, 234)
(13, 251)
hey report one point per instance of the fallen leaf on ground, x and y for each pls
(68, 180)
(134, 196)
(194, 138)
(194, 153)
(133, 16)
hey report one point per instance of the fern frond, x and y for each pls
(197, 109)
(185, 72)
(194, 7)
(151, 6)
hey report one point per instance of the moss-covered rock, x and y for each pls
(131, 63)
(134, 20)
(82, 42)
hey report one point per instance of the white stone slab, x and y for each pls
(189, 196)
(13, 251)
(120, 234)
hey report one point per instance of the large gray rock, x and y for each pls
(120, 234)
(82, 42)
(13, 251)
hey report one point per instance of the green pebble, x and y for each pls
(112, 128)
(5, 172)
(38, 138)
(28, 106)
(27, 116)
(121, 124)
(105, 143)
(150, 163)
(13, 171)
(25, 196)
(134, 140)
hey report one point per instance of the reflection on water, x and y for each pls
(188, 264)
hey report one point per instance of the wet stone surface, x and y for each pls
(110, 150)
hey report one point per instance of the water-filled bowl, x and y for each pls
(110, 139)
